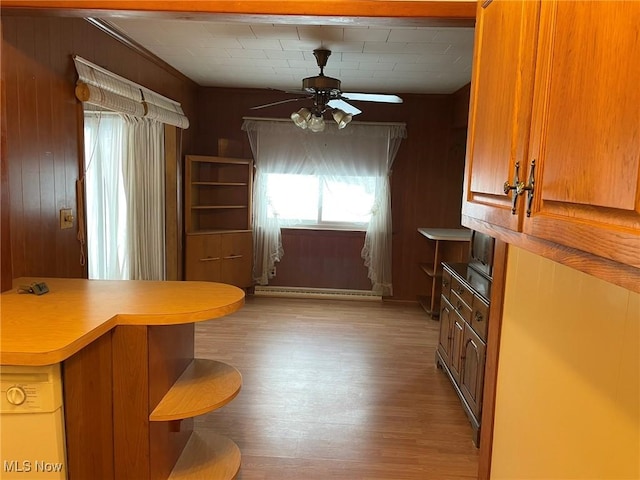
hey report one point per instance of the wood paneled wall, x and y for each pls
(43, 121)
(43, 140)
(322, 259)
(427, 173)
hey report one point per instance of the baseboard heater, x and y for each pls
(306, 292)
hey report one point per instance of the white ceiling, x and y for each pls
(369, 59)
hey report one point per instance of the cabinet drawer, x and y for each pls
(446, 284)
(462, 291)
(461, 307)
(480, 317)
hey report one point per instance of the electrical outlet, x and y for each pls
(66, 218)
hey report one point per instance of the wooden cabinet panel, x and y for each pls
(237, 251)
(472, 369)
(553, 90)
(220, 257)
(444, 340)
(500, 115)
(457, 334)
(585, 134)
(204, 258)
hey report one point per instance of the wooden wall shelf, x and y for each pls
(204, 386)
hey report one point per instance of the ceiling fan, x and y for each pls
(326, 95)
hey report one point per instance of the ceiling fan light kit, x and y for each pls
(326, 95)
(301, 117)
(341, 118)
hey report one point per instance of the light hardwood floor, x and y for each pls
(336, 389)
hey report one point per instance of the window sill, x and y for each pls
(328, 228)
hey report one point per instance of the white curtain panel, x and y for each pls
(105, 200)
(124, 184)
(143, 170)
(357, 150)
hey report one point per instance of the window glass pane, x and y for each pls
(293, 197)
(348, 199)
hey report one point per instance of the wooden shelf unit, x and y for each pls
(219, 243)
(218, 193)
(445, 244)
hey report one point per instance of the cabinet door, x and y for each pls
(444, 340)
(472, 369)
(203, 258)
(585, 134)
(237, 254)
(457, 334)
(500, 112)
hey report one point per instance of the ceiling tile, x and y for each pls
(266, 55)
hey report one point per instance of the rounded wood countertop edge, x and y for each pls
(43, 330)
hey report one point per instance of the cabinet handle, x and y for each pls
(209, 259)
(529, 188)
(459, 306)
(445, 283)
(479, 317)
(231, 257)
(516, 187)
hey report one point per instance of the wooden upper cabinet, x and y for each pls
(585, 133)
(555, 85)
(500, 113)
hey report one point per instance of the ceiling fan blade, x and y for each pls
(278, 103)
(344, 106)
(371, 97)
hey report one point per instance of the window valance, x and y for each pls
(105, 89)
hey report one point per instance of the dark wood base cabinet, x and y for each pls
(464, 313)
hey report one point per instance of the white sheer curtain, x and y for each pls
(105, 204)
(143, 171)
(360, 150)
(124, 184)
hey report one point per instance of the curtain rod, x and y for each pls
(354, 122)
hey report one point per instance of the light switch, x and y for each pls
(66, 218)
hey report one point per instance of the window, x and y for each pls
(320, 200)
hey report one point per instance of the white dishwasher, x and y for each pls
(32, 423)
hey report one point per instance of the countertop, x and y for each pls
(49, 328)
(449, 234)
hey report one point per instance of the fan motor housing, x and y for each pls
(321, 84)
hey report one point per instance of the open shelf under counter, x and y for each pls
(207, 455)
(204, 386)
